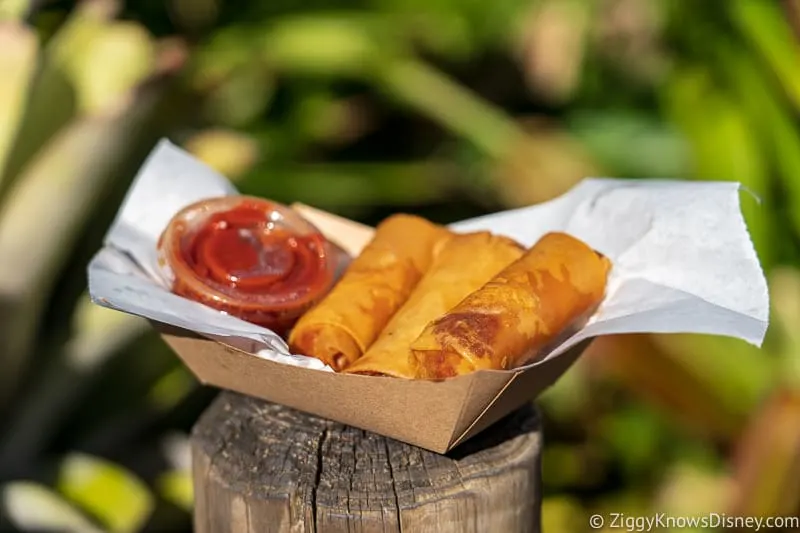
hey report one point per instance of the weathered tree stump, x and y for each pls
(260, 467)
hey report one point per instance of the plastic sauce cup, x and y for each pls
(248, 257)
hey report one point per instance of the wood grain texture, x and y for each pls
(260, 467)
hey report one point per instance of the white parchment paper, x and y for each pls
(683, 261)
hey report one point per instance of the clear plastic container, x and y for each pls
(248, 257)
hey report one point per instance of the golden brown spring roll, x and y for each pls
(462, 265)
(523, 309)
(343, 325)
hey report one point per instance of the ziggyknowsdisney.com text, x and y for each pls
(660, 521)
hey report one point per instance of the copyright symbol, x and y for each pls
(596, 521)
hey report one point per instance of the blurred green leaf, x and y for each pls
(441, 31)
(562, 514)
(119, 500)
(239, 98)
(785, 298)
(17, 63)
(764, 24)
(724, 147)
(176, 487)
(322, 44)
(484, 26)
(113, 63)
(227, 50)
(229, 152)
(51, 104)
(171, 389)
(14, 9)
(65, 182)
(778, 133)
(54, 96)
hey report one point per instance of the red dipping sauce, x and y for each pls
(248, 257)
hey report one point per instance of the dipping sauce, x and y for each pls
(248, 257)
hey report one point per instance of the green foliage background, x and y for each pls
(445, 108)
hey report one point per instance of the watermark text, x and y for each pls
(660, 521)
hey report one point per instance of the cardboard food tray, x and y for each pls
(436, 415)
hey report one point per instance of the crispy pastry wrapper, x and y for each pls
(375, 285)
(520, 311)
(683, 261)
(445, 284)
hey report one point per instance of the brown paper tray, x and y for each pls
(436, 415)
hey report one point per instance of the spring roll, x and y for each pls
(524, 309)
(344, 324)
(462, 265)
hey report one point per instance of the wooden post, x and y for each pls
(260, 467)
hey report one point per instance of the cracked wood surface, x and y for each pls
(260, 467)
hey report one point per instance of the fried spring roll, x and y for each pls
(526, 307)
(345, 323)
(462, 265)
